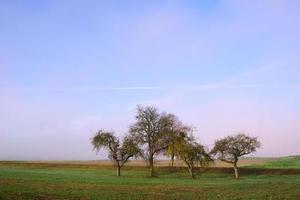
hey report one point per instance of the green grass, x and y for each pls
(38, 181)
(289, 162)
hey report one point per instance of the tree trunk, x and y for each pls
(118, 170)
(172, 161)
(191, 171)
(151, 166)
(236, 170)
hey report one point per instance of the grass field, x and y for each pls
(290, 162)
(97, 180)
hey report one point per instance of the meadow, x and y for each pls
(260, 179)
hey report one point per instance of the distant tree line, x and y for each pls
(155, 133)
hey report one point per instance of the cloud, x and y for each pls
(214, 86)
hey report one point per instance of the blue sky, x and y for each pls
(69, 68)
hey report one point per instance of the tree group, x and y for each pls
(156, 132)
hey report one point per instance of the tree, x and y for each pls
(118, 153)
(177, 132)
(230, 148)
(192, 153)
(151, 131)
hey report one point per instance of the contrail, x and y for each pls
(107, 88)
(186, 87)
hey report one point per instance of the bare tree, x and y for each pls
(151, 131)
(230, 148)
(118, 153)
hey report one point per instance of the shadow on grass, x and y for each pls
(160, 169)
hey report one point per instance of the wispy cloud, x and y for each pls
(106, 88)
(178, 88)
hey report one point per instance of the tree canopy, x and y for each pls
(191, 153)
(152, 132)
(230, 148)
(120, 154)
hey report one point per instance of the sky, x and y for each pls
(70, 68)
